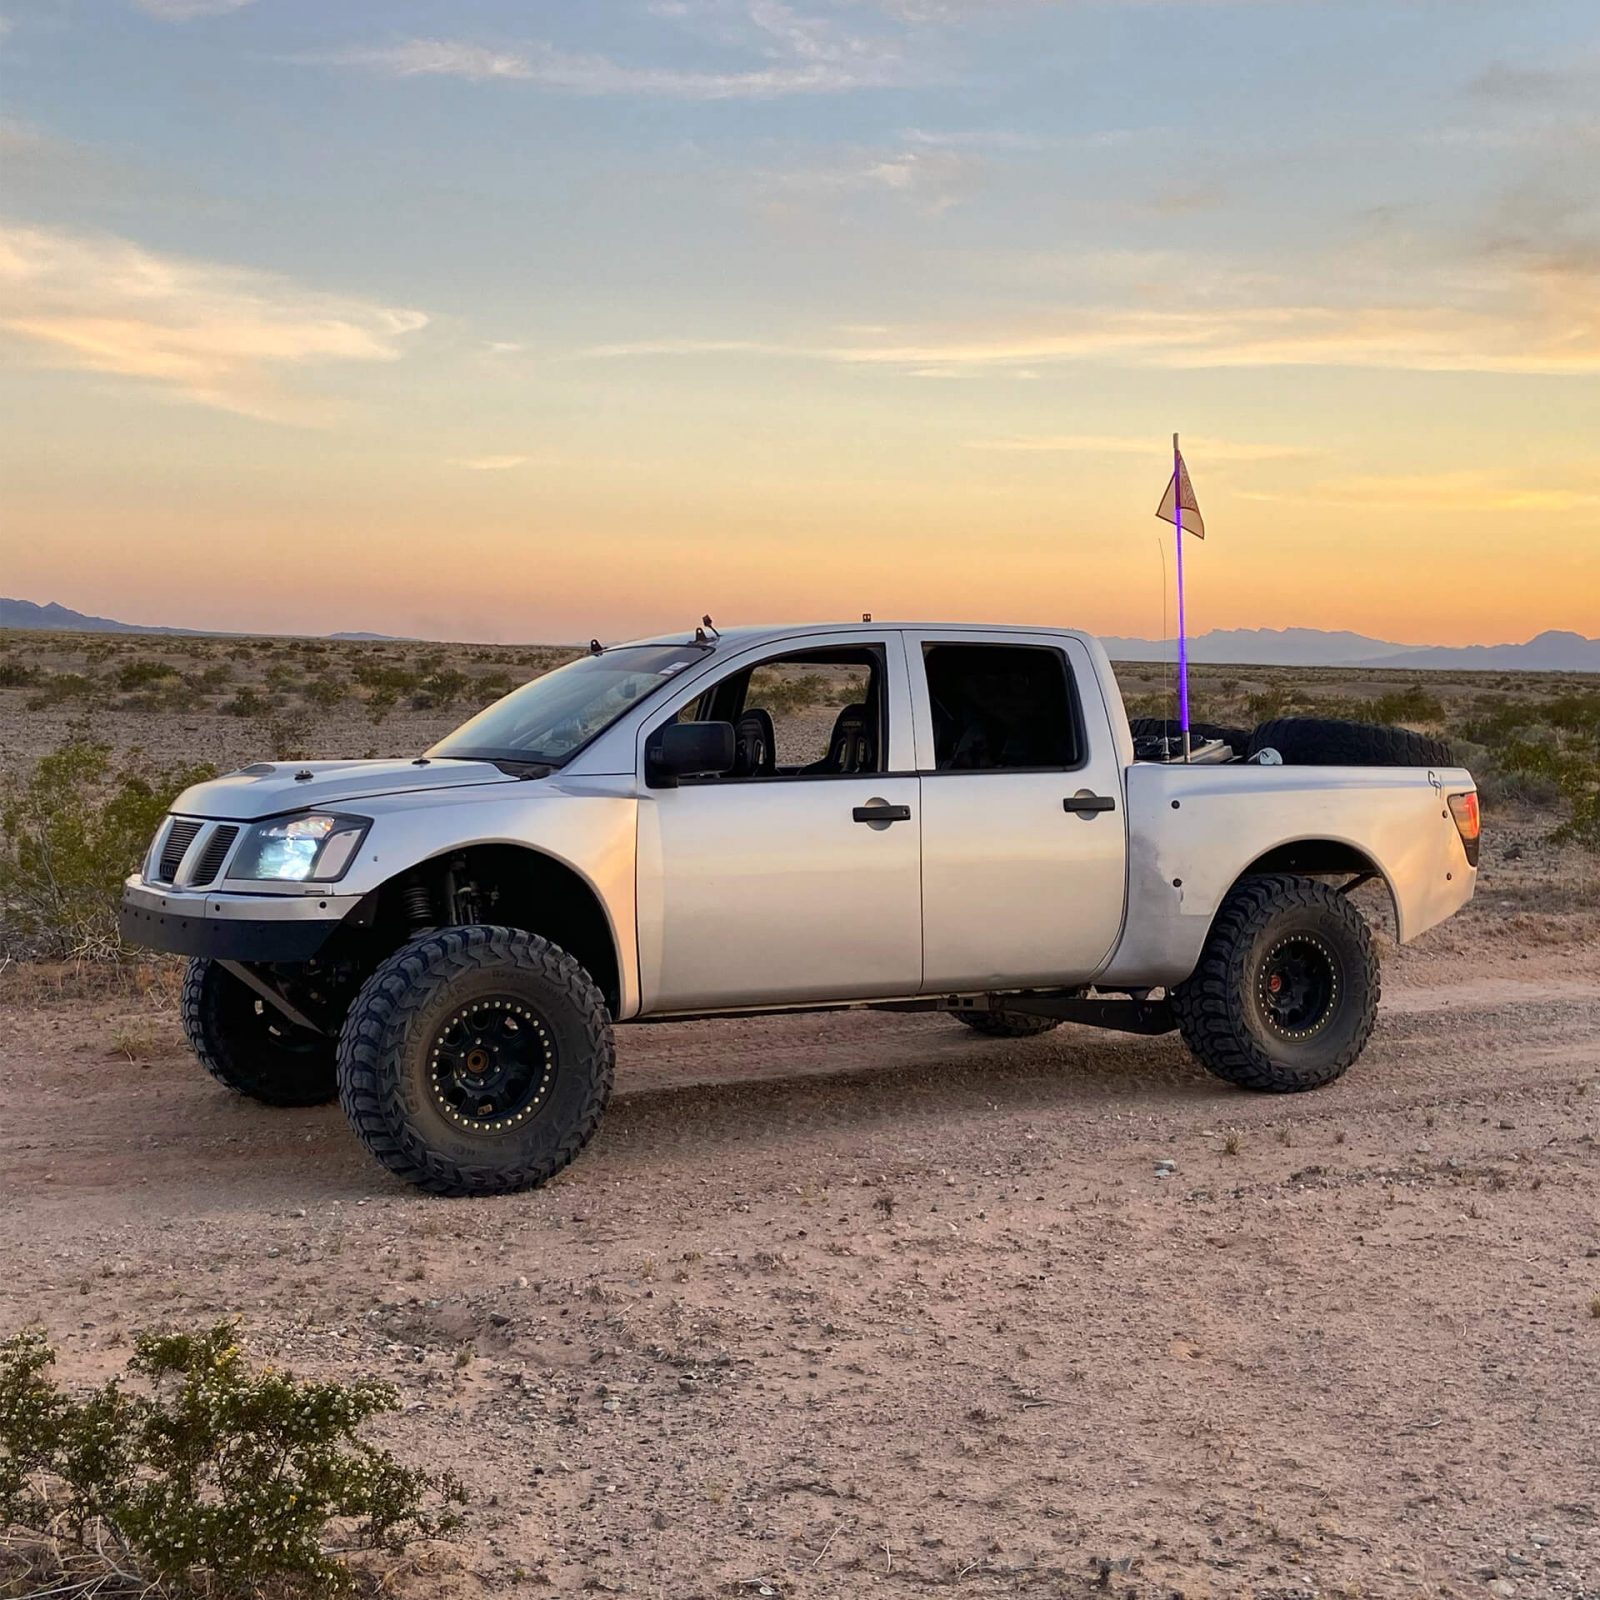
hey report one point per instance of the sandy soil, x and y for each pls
(863, 1305)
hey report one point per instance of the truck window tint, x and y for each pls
(1000, 707)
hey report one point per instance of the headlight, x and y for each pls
(312, 846)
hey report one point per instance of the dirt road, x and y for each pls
(868, 1305)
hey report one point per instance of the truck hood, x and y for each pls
(271, 787)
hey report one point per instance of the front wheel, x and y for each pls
(477, 1060)
(1286, 993)
(248, 1046)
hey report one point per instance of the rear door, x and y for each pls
(1024, 839)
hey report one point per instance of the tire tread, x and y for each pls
(390, 1000)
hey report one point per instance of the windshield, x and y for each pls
(550, 719)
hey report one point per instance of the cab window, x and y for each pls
(807, 714)
(1001, 708)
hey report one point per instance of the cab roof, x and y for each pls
(766, 633)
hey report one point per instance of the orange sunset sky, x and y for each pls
(493, 321)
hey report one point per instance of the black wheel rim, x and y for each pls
(1298, 986)
(491, 1064)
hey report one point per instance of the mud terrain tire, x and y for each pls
(1006, 1024)
(476, 1060)
(1286, 992)
(1324, 742)
(247, 1047)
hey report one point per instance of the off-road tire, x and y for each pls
(1325, 742)
(1006, 1024)
(249, 1048)
(1224, 1011)
(391, 1035)
(1164, 728)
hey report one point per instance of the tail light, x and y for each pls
(1464, 808)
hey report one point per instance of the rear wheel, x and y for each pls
(1006, 1024)
(1286, 992)
(248, 1046)
(476, 1061)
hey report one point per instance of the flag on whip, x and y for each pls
(1180, 508)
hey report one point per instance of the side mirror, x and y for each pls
(690, 750)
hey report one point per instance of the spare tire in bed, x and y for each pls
(1324, 742)
(1164, 728)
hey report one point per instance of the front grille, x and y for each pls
(179, 837)
(214, 854)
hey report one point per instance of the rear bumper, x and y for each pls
(230, 927)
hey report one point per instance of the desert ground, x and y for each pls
(859, 1305)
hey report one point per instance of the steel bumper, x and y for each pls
(231, 927)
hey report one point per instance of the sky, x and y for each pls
(482, 320)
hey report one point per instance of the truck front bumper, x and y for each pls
(230, 927)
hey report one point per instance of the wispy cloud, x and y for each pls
(215, 334)
(1517, 309)
(1444, 491)
(187, 10)
(931, 179)
(550, 68)
(1133, 445)
(488, 463)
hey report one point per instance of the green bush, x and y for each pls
(16, 675)
(142, 674)
(248, 703)
(70, 831)
(205, 1477)
(57, 687)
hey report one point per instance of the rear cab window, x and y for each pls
(1001, 708)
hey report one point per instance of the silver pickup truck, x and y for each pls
(908, 817)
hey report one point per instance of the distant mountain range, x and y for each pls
(1554, 651)
(59, 618)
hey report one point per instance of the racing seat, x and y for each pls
(755, 753)
(853, 744)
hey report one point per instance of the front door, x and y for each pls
(797, 877)
(1024, 853)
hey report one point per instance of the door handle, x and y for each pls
(879, 813)
(1084, 803)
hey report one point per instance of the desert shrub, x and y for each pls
(213, 678)
(324, 691)
(248, 703)
(1549, 747)
(143, 674)
(56, 688)
(489, 686)
(447, 685)
(1412, 704)
(204, 1476)
(17, 675)
(70, 831)
(281, 735)
(1267, 704)
(380, 675)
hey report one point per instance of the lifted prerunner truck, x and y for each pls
(908, 817)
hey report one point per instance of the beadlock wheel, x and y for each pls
(476, 1060)
(1298, 986)
(491, 1065)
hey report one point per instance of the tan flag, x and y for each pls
(1180, 492)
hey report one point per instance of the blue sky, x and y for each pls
(802, 309)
